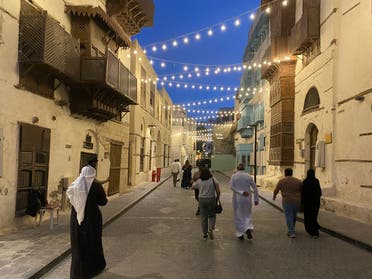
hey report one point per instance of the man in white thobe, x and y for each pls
(242, 184)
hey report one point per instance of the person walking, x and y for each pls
(186, 175)
(175, 169)
(86, 194)
(209, 193)
(290, 188)
(311, 193)
(242, 185)
(195, 177)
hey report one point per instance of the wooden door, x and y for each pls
(33, 168)
(115, 160)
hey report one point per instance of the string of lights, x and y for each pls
(209, 31)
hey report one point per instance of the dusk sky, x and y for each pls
(173, 19)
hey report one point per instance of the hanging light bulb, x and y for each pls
(175, 43)
(210, 32)
(197, 36)
(186, 40)
(164, 47)
(151, 62)
(154, 48)
(185, 68)
(252, 16)
(285, 3)
(162, 64)
(223, 27)
(237, 22)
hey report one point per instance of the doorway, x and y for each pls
(311, 138)
(33, 167)
(115, 166)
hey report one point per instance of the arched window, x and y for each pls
(312, 99)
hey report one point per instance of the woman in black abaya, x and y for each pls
(311, 193)
(85, 195)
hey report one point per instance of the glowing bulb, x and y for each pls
(186, 40)
(185, 68)
(164, 47)
(175, 43)
(223, 27)
(252, 16)
(154, 48)
(162, 64)
(285, 3)
(268, 10)
(151, 62)
(210, 32)
(197, 36)
(237, 22)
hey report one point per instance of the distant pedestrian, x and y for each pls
(311, 193)
(291, 199)
(186, 175)
(176, 170)
(209, 193)
(195, 177)
(86, 194)
(242, 185)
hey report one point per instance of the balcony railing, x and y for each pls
(306, 31)
(109, 72)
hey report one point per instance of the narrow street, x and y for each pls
(161, 238)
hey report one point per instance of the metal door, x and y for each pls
(115, 162)
(33, 168)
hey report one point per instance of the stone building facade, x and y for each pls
(65, 92)
(252, 99)
(327, 81)
(183, 145)
(150, 122)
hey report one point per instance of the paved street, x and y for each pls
(161, 238)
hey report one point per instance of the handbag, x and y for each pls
(218, 202)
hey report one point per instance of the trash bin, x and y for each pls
(158, 174)
(153, 175)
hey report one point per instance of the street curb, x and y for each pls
(44, 270)
(355, 242)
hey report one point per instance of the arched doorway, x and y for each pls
(311, 138)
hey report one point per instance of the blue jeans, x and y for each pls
(290, 211)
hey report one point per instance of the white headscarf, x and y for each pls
(79, 190)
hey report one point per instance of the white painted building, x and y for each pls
(333, 102)
(65, 87)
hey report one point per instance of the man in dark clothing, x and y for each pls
(86, 194)
(291, 199)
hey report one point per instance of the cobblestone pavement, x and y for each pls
(161, 238)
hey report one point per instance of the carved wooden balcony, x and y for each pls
(44, 45)
(132, 15)
(111, 75)
(306, 31)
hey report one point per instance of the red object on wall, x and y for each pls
(158, 174)
(153, 175)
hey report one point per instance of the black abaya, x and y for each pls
(311, 193)
(86, 240)
(186, 176)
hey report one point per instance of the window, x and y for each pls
(142, 154)
(312, 99)
(152, 97)
(143, 87)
